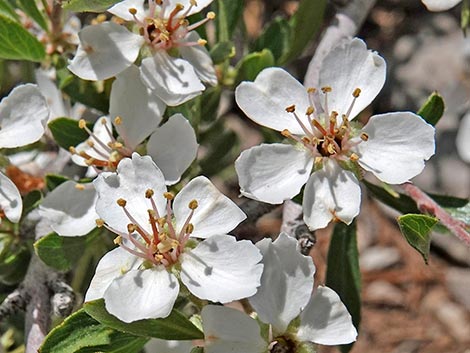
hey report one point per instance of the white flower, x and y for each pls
(157, 246)
(440, 5)
(463, 138)
(107, 49)
(392, 146)
(285, 303)
(10, 199)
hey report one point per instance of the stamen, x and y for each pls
(118, 120)
(99, 222)
(326, 90)
(354, 157)
(355, 95)
(291, 109)
(210, 16)
(193, 204)
(364, 136)
(80, 187)
(149, 193)
(82, 125)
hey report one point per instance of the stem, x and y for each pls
(428, 205)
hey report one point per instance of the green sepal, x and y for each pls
(252, 64)
(54, 180)
(222, 51)
(433, 109)
(14, 265)
(31, 201)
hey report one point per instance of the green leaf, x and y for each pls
(62, 253)
(221, 153)
(54, 180)
(465, 16)
(417, 228)
(433, 109)
(197, 350)
(400, 202)
(222, 51)
(305, 23)
(174, 327)
(16, 43)
(275, 37)
(251, 65)
(67, 133)
(8, 11)
(343, 274)
(228, 13)
(89, 5)
(30, 8)
(31, 201)
(80, 333)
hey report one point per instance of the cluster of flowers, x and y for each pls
(166, 242)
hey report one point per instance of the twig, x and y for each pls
(428, 205)
(13, 303)
(346, 23)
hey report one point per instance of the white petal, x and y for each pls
(70, 211)
(215, 214)
(265, 100)
(173, 147)
(397, 147)
(10, 199)
(331, 193)
(222, 269)
(51, 93)
(133, 178)
(273, 172)
(201, 4)
(172, 79)
(142, 294)
(463, 139)
(121, 9)
(105, 50)
(98, 151)
(230, 330)
(170, 346)
(112, 265)
(286, 284)
(326, 320)
(347, 67)
(140, 110)
(23, 116)
(199, 57)
(440, 5)
(71, 28)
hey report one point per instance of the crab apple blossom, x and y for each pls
(178, 61)
(325, 139)
(285, 304)
(440, 5)
(141, 278)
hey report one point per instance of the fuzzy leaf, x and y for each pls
(417, 228)
(8, 11)
(67, 133)
(89, 5)
(174, 327)
(433, 109)
(30, 8)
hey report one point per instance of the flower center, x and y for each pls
(162, 244)
(102, 154)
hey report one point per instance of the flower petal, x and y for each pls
(326, 320)
(121, 9)
(139, 109)
(51, 93)
(230, 330)
(463, 139)
(273, 172)
(105, 50)
(133, 178)
(142, 294)
(70, 210)
(168, 346)
(112, 265)
(347, 67)
(332, 193)
(222, 269)
(286, 283)
(173, 147)
(440, 5)
(215, 214)
(198, 56)
(265, 100)
(23, 116)
(397, 146)
(172, 79)
(201, 4)
(10, 199)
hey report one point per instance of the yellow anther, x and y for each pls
(99, 222)
(331, 149)
(318, 160)
(159, 2)
(193, 2)
(354, 157)
(306, 140)
(210, 15)
(326, 89)
(121, 202)
(117, 120)
(131, 228)
(178, 7)
(115, 145)
(168, 195)
(202, 42)
(158, 257)
(103, 121)
(132, 10)
(161, 222)
(82, 123)
(290, 108)
(90, 161)
(149, 193)
(80, 187)
(189, 228)
(101, 18)
(286, 133)
(165, 245)
(72, 150)
(90, 143)
(311, 90)
(356, 92)
(364, 136)
(193, 204)
(118, 240)
(310, 110)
